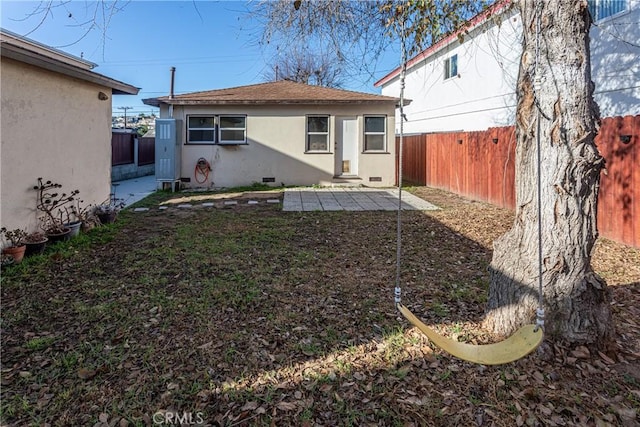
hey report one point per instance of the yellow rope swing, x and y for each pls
(528, 337)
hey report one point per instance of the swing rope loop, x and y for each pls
(539, 319)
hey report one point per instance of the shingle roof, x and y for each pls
(280, 92)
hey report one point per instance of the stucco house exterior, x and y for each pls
(55, 124)
(282, 133)
(470, 85)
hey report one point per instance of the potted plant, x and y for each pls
(13, 243)
(108, 210)
(77, 216)
(51, 203)
(35, 242)
(86, 215)
(6, 260)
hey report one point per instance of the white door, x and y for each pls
(347, 146)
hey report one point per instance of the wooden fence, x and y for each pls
(122, 148)
(146, 151)
(480, 165)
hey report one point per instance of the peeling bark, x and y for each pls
(576, 299)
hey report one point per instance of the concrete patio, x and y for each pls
(351, 199)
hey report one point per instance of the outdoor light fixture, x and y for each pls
(625, 139)
(102, 96)
(495, 140)
(459, 141)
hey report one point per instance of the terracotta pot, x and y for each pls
(17, 252)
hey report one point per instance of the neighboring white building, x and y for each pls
(470, 86)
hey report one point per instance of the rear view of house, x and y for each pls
(278, 133)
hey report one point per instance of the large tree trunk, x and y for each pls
(576, 299)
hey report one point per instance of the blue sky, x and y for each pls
(212, 44)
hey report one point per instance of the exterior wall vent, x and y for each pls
(375, 179)
(268, 179)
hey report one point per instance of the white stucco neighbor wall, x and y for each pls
(483, 95)
(276, 148)
(615, 62)
(53, 127)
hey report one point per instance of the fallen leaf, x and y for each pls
(286, 406)
(249, 406)
(86, 374)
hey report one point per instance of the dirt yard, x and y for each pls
(246, 315)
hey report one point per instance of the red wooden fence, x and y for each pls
(619, 200)
(480, 165)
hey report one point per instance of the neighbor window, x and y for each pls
(375, 133)
(201, 130)
(601, 9)
(318, 133)
(451, 67)
(233, 130)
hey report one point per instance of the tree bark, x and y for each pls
(576, 299)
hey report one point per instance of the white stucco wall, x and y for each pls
(615, 62)
(53, 127)
(276, 148)
(483, 95)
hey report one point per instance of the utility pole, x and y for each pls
(125, 114)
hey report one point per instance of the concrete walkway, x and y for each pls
(351, 199)
(132, 190)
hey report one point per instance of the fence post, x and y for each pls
(135, 150)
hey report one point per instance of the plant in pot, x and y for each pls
(13, 243)
(51, 203)
(6, 260)
(35, 242)
(78, 217)
(108, 210)
(86, 215)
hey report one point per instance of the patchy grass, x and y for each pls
(247, 315)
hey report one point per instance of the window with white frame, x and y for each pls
(375, 133)
(601, 9)
(201, 130)
(233, 130)
(217, 129)
(318, 133)
(451, 67)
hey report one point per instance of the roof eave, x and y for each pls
(156, 102)
(33, 58)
